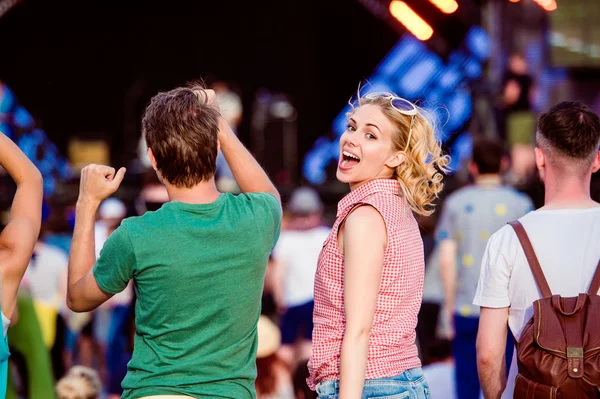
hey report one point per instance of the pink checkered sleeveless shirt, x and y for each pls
(392, 348)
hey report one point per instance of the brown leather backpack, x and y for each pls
(559, 350)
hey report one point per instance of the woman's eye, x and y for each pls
(351, 128)
(371, 136)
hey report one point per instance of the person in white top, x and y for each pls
(565, 234)
(295, 261)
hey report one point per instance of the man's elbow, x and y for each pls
(487, 358)
(33, 178)
(76, 304)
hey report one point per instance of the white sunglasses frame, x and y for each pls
(391, 97)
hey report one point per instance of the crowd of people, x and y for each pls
(415, 290)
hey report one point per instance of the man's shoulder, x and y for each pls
(503, 239)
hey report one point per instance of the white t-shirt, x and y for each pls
(567, 244)
(299, 251)
(48, 265)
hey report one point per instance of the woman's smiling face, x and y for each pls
(366, 147)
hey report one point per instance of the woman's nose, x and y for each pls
(351, 140)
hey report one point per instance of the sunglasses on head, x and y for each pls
(401, 105)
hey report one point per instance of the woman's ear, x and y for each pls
(396, 160)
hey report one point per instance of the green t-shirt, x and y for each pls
(198, 272)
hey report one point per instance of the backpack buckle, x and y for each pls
(575, 362)
(575, 352)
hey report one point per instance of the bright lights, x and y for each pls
(446, 6)
(411, 20)
(548, 5)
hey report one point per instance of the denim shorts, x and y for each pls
(409, 385)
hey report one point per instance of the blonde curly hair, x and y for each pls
(79, 383)
(420, 175)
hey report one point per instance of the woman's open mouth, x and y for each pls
(348, 160)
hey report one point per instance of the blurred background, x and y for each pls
(76, 76)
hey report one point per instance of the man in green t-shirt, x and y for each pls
(198, 263)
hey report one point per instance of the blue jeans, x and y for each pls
(409, 385)
(297, 322)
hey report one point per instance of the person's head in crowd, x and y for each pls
(489, 157)
(268, 364)
(79, 383)
(388, 137)
(181, 128)
(301, 389)
(517, 64)
(305, 209)
(440, 350)
(112, 211)
(229, 101)
(568, 143)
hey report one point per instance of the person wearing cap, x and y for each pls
(295, 257)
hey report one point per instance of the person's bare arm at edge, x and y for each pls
(491, 351)
(364, 241)
(98, 182)
(449, 275)
(247, 172)
(18, 238)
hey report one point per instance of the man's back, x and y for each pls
(470, 216)
(567, 244)
(198, 273)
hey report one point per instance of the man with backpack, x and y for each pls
(557, 330)
(469, 216)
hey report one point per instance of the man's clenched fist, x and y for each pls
(99, 182)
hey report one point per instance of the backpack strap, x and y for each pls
(595, 286)
(532, 259)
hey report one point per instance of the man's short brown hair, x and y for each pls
(488, 154)
(570, 129)
(181, 129)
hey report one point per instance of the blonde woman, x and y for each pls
(369, 279)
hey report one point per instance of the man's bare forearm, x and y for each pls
(82, 257)
(449, 275)
(247, 172)
(492, 376)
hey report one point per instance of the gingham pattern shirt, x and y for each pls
(392, 348)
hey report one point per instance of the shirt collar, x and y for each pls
(488, 180)
(391, 186)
